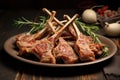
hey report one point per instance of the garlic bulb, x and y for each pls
(89, 16)
(112, 29)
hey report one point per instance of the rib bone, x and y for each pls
(49, 21)
(49, 13)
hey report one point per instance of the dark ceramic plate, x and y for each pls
(10, 49)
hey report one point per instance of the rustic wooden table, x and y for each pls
(13, 69)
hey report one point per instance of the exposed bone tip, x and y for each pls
(54, 12)
(44, 9)
(77, 15)
(65, 15)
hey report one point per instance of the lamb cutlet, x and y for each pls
(43, 50)
(82, 45)
(26, 41)
(65, 52)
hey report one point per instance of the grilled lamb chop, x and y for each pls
(82, 45)
(65, 52)
(27, 40)
(43, 50)
(83, 48)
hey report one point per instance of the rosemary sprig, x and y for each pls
(90, 30)
(36, 26)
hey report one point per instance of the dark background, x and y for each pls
(56, 4)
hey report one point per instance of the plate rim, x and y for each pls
(7, 47)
